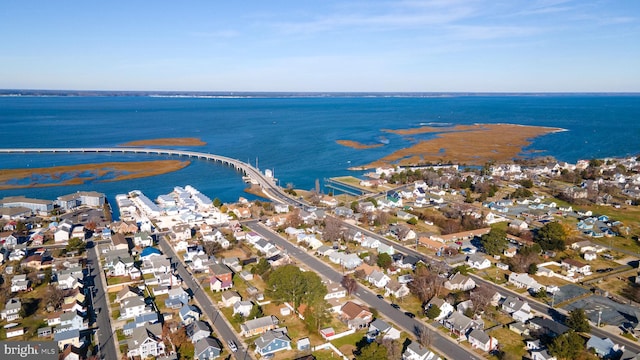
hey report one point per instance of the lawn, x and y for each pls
(347, 344)
(509, 342)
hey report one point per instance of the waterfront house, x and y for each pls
(258, 326)
(207, 349)
(272, 341)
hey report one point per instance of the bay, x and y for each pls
(294, 136)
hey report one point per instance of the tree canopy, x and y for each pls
(433, 312)
(384, 260)
(289, 283)
(495, 242)
(566, 346)
(551, 236)
(577, 320)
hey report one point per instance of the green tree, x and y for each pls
(551, 236)
(75, 244)
(316, 315)
(432, 312)
(495, 242)
(577, 320)
(256, 312)
(566, 346)
(527, 183)
(521, 193)
(373, 351)
(262, 267)
(532, 269)
(412, 221)
(289, 283)
(384, 260)
(217, 202)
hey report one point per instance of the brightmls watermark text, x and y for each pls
(28, 350)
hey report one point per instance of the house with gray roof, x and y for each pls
(207, 348)
(415, 351)
(146, 341)
(198, 330)
(271, 342)
(189, 314)
(461, 324)
(259, 325)
(478, 339)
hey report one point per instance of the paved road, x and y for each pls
(439, 342)
(222, 329)
(106, 338)
(548, 310)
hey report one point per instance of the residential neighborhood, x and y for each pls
(493, 278)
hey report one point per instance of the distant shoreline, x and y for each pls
(166, 142)
(286, 94)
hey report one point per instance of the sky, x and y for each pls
(323, 45)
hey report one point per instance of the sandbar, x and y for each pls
(463, 144)
(84, 173)
(167, 142)
(357, 145)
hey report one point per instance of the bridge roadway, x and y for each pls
(273, 191)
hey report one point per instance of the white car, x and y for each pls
(232, 345)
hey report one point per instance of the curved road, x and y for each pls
(268, 185)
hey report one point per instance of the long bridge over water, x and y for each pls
(267, 184)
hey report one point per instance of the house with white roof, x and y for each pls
(524, 281)
(378, 279)
(415, 351)
(478, 261)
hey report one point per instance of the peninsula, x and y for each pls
(462, 144)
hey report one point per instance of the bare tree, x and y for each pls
(394, 348)
(293, 219)
(403, 231)
(332, 229)
(423, 335)
(481, 298)
(349, 283)
(55, 296)
(382, 217)
(426, 284)
(211, 247)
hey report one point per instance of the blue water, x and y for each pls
(295, 137)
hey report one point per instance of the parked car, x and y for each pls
(232, 345)
(380, 297)
(410, 314)
(395, 306)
